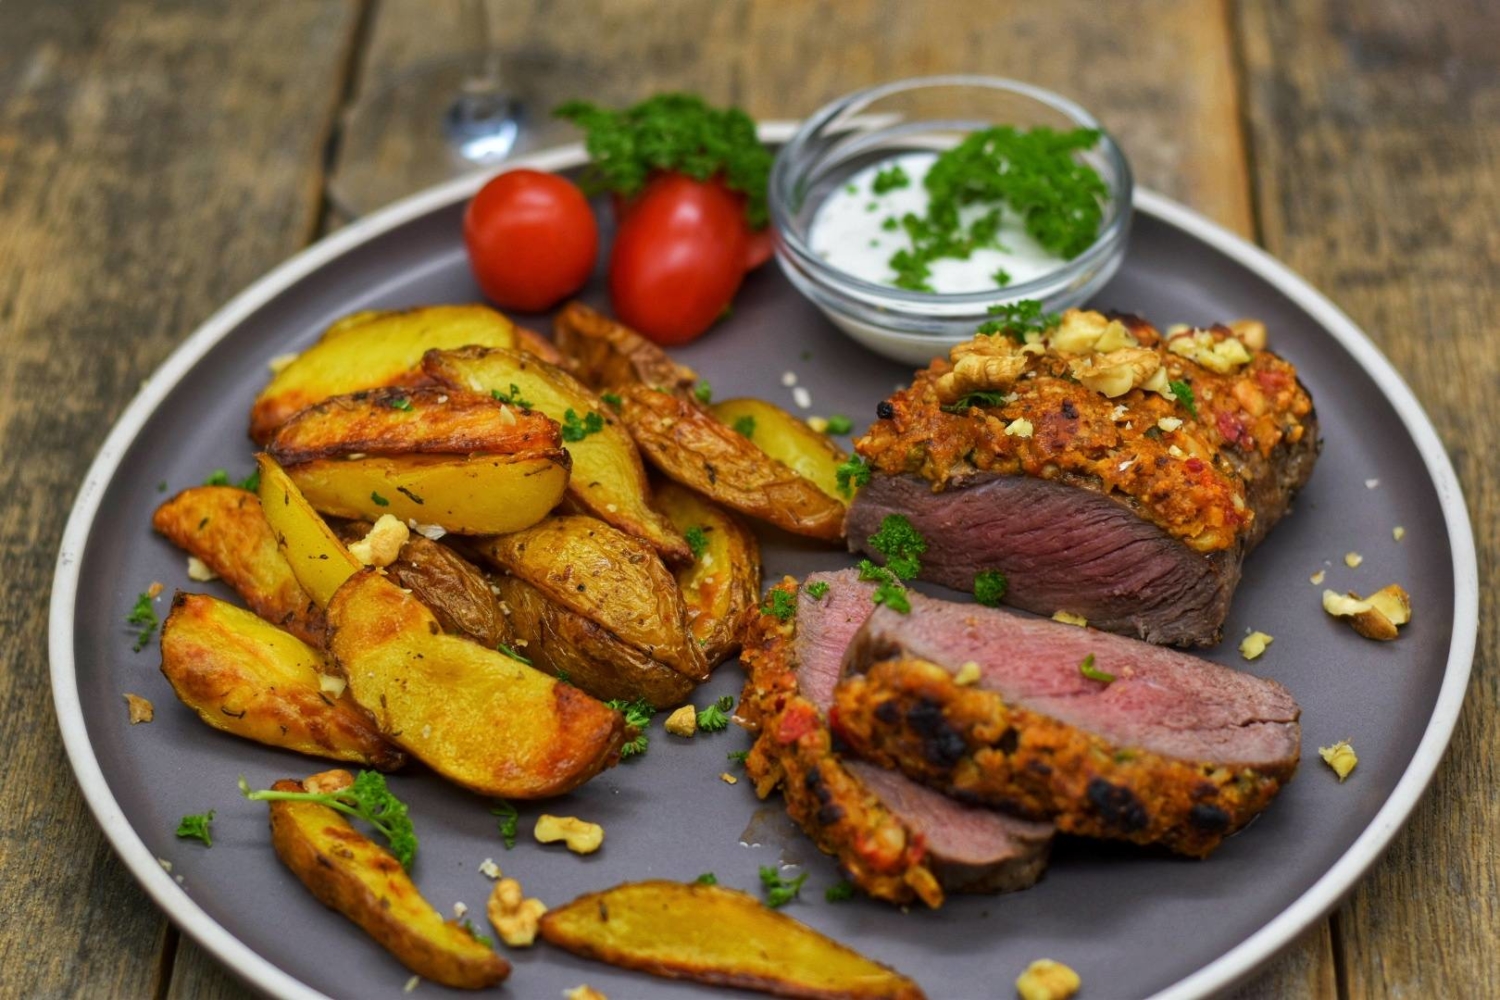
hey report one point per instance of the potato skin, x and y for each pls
(371, 349)
(721, 588)
(607, 354)
(790, 441)
(709, 934)
(567, 644)
(474, 715)
(225, 527)
(422, 421)
(608, 577)
(691, 447)
(246, 677)
(351, 874)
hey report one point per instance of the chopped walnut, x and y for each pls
(382, 546)
(514, 918)
(489, 869)
(1341, 757)
(1020, 427)
(1375, 617)
(728, 778)
(1317, 578)
(332, 684)
(1116, 372)
(1069, 618)
(984, 363)
(1398, 532)
(1045, 979)
(967, 674)
(1353, 559)
(584, 992)
(1169, 424)
(1252, 333)
(1254, 645)
(683, 722)
(1217, 355)
(198, 570)
(581, 837)
(1083, 331)
(139, 708)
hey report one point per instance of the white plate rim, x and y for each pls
(1223, 972)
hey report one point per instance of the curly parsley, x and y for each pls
(697, 539)
(839, 892)
(707, 878)
(892, 178)
(780, 605)
(780, 891)
(745, 426)
(612, 398)
(716, 716)
(851, 475)
(1017, 319)
(818, 588)
(703, 392)
(574, 429)
(513, 397)
(989, 587)
(980, 397)
(889, 589)
(368, 799)
(638, 715)
(901, 545)
(738, 756)
(839, 424)
(196, 828)
(143, 618)
(509, 822)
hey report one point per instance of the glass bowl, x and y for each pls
(929, 114)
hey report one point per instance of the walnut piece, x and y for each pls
(984, 363)
(1252, 333)
(1116, 372)
(382, 546)
(1375, 617)
(1217, 355)
(1083, 331)
(584, 992)
(1341, 757)
(683, 722)
(1254, 645)
(1045, 979)
(140, 709)
(581, 837)
(1069, 618)
(514, 918)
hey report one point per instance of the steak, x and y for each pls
(897, 840)
(1129, 500)
(995, 708)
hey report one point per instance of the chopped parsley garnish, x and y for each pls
(889, 590)
(1001, 277)
(1093, 673)
(839, 424)
(989, 587)
(613, 399)
(745, 426)
(218, 477)
(513, 654)
(779, 891)
(401, 403)
(851, 475)
(891, 178)
(716, 716)
(1184, 394)
(510, 822)
(638, 716)
(379, 500)
(161, 487)
(891, 224)
(1017, 319)
(513, 397)
(738, 756)
(980, 397)
(901, 545)
(252, 481)
(817, 589)
(368, 799)
(781, 604)
(707, 878)
(574, 429)
(839, 892)
(468, 925)
(697, 539)
(563, 677)
(143, 618)
(196, 828)
(703, 393)
(672, 132)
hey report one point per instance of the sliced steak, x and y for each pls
(897, 840)
(995, 708)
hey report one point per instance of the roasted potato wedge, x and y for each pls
(567, 644)
(534, 343)
(353, 875)
(608, 577)
(721, 587)
(225, 528)
(372, 349)
(720, 936)
(790, 441)
(689, 445)
(317, 558)
(476, 716)
(608, 479)
(607, 355)
(247, 677)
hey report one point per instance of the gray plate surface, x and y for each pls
(1132, 922)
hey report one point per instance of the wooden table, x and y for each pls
(157, 156)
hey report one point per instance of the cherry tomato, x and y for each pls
(532, 239)
(759, 245)
(679, 257)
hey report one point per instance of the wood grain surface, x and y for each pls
(155, 157)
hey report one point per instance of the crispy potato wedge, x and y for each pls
(534, 343)
(372, 349)
(476, 716)
(607, 355)
(421, 421)
(317, 558)
(353, 875)
(790, 441)
(608, 577)
(720, 936)
(567, 644)
(689, 445)
(249, 678)
(225, 528)
(721, 588)
(608, 479)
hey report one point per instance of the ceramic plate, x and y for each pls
(1133, 923)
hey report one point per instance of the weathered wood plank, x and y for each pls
(1375, 130)
(154, 158)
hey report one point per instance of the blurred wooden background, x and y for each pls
(157, 156)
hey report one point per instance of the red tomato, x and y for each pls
(532, 239)
(759, 246)
(678, 259)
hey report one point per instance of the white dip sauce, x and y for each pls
(850, 232)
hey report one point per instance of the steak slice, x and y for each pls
(897, 840)
(1175, 750)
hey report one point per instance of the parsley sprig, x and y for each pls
(143, 618)
(637, 715)
(196, 827)
(697, 539)
(575, 429)
(901, 544)
(851, 475)
(780, 891)
(1017, 319)
(889, 589)
(716, 716)
(368, 799)
(672, 132)
(989, 587)
(780, 605)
